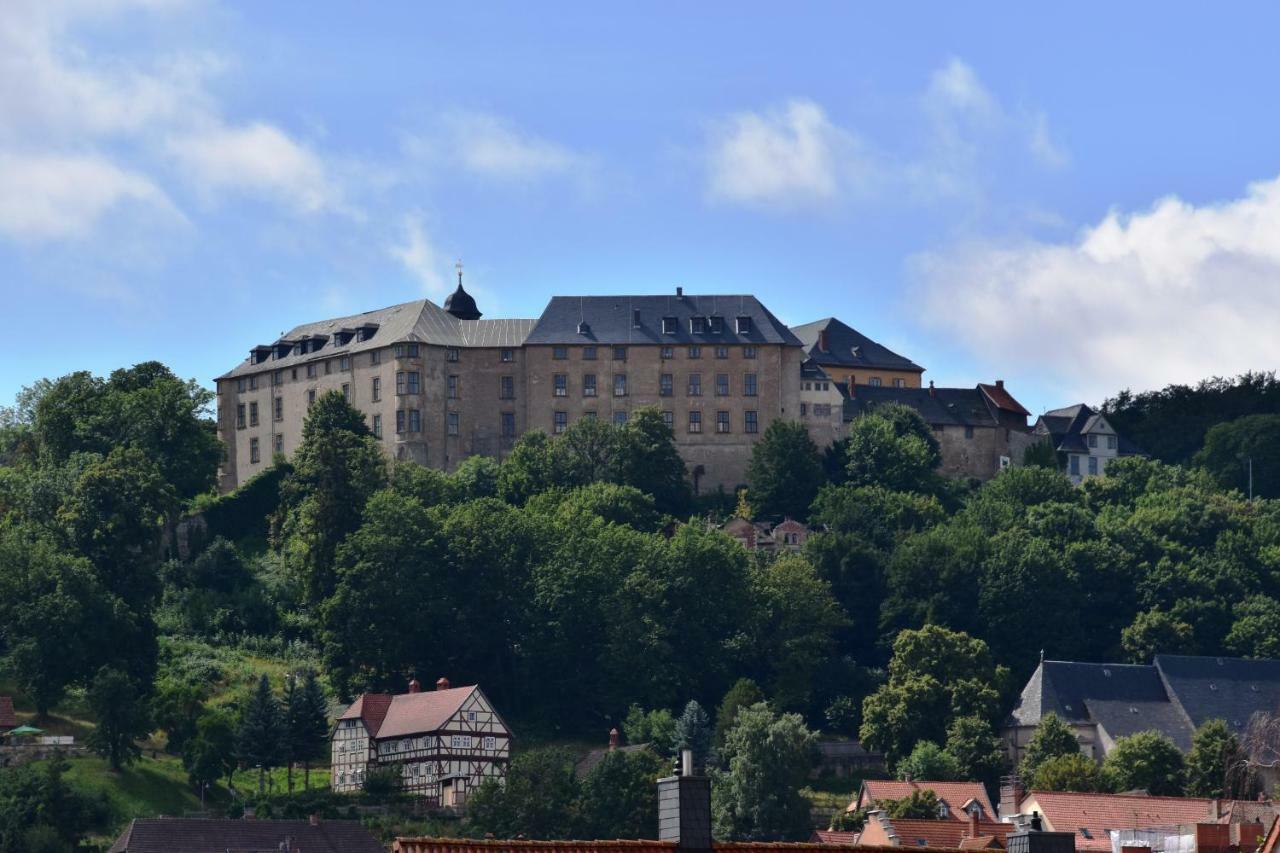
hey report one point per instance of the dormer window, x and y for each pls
(943, 810)
(366, 332)
(635, 318)
(583, 328)
(668, 325)
(717, 325)
(697, 325)
(744, 325)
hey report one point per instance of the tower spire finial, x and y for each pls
(458, 267)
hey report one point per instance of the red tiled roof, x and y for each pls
(407, 713)
(948, 833)
(1098, 813)
(8, 719)
(1002, 398)
(489, 845)
(954, 794)
(833, 836)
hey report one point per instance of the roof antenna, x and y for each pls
(458, 267)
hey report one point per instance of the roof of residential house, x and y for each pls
(945, 833)
(611, 320)
(422, 321)
(1067, 428)
(8, 718)
(1001, 397)
(847, 347)
(491, 845)
(1221, 688)
(405, 714)
(1091, 816)
(208, 835)
(938, 406)
(833, 836)
(954, 794)
(593, 757)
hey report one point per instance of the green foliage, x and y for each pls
(306, 718)
(215, 594)
(262, 737)
(693, 731)
(539, 799)
(1052, 738)
(1156, 631)
(1041, 455)
(244, 512)
(1146, 761)
(1255, 632)
(785, 471)
(176, 708)
(617, 796)
(768, 758)
(843, 716)
(930, 762)
(892, 447)
(1217, 766)
(920, 804)
(210, 754)
(40, 811)
(121, 714)
(656, 728)
(1231, 446)
(976, 747)
(1072, 772)
(743, 694)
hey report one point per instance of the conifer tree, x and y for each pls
(262, 739)
(307, 716)
(693, 731)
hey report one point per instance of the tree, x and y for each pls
(656, 728)
(1256, 630)
(531, 469)
(539, 799)
(1247, 447)
(930, 762)
(1217, 766)
(1156, 631)
(40, 811)
(117, 705)
(976, 747)
(646, 458)
(1146, 761)
(920, 804)
(210, 754)
(476, 477)
(891, 446)
(743, 694)
(1074, 772)
(261, 740)
(1041, 455)
(768, 757)
(1052, 738)
(176, 708)
(617, 796)
(785, 471)
(799, 619)
(307, 718)
(693, 731)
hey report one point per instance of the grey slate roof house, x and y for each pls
(208, 835)
(845, 352)
(1175, 695)
(1084, 438)
(705, 320)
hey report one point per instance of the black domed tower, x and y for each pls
(459, 303)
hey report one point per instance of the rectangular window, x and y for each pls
(668, 353)
(277, 378)
(560, 420)
(560, 385)
(635, 318)
(255, 455)
(588, 353)
(722, 352)
(346, 391)
(753, 423)
(695, 352)
(668, 325)
(415, 384)
(400, 419)
(722, 385)
(278, 442)
(695, 384)
(451, 387)
(697, 325)
(1112, 442)
(669, 420)
(253, 413)
(559, 353)
(344, 363)
(666, 385)
(748, 352)
(619, 353)
(695, 422)
(619, 384)
(748, 384)
(452, 423)
(293, 374)
(490, 743)
(240, 416)
(507, 388)
(744, 325)
(375, 357)
(377, 388)
(1093, 466)
(311, 397)
(451, 355)
(240, 385)
(401, 381)
(253, 383)
(508, 356)
(277, 408)
(328, 366)
(717, 325)
(377, 426)
(413, 350)
(311, 371)
(508, 425)
(968, 432)
(1075, 465)
(899, 383)
(722, 422)
(619, 418)
(874, 382)
(804, 409)
(1093, 441)
(588, 384)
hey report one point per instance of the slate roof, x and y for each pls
(609, 320)
(407, 714)
(842, 340)
(1064, 686)
(422, 321)
(1099, 813)
(207, 835)
(1230, 689)
(943, 407)
(954, 794)
(8, 719)
(1067, 427)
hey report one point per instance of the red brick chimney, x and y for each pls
(999, 383)
(822, 340)
(613, 739)
(415, 686)
(442, 683)
(973, 822)
(930, 387)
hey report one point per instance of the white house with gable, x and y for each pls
(1084, 438)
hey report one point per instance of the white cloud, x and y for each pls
(792, 155)
(492, 146)
(1171, 294)
(48, 197)
(257, 159)
(419, 256)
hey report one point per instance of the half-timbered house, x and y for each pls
(442, 743)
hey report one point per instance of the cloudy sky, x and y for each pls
(1076, 200)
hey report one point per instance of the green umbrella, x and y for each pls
(26, 730)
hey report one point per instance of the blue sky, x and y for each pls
(1077, 199)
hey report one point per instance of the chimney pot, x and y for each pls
(442, 683)
(314, 819)
(930, 387)
(613, 739)
(415, 686)
(999, 383)
(679, 292)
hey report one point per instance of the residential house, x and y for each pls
(957, 801)
(209, 835)
(593, 757)
(787, 535)
(821, 404)
(1174, 695)
(8, 718)
(445, 743)
(971, 834)
(980, 430)
(833, 836)
(1084, 438)
(846, 355)
(841, 758)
